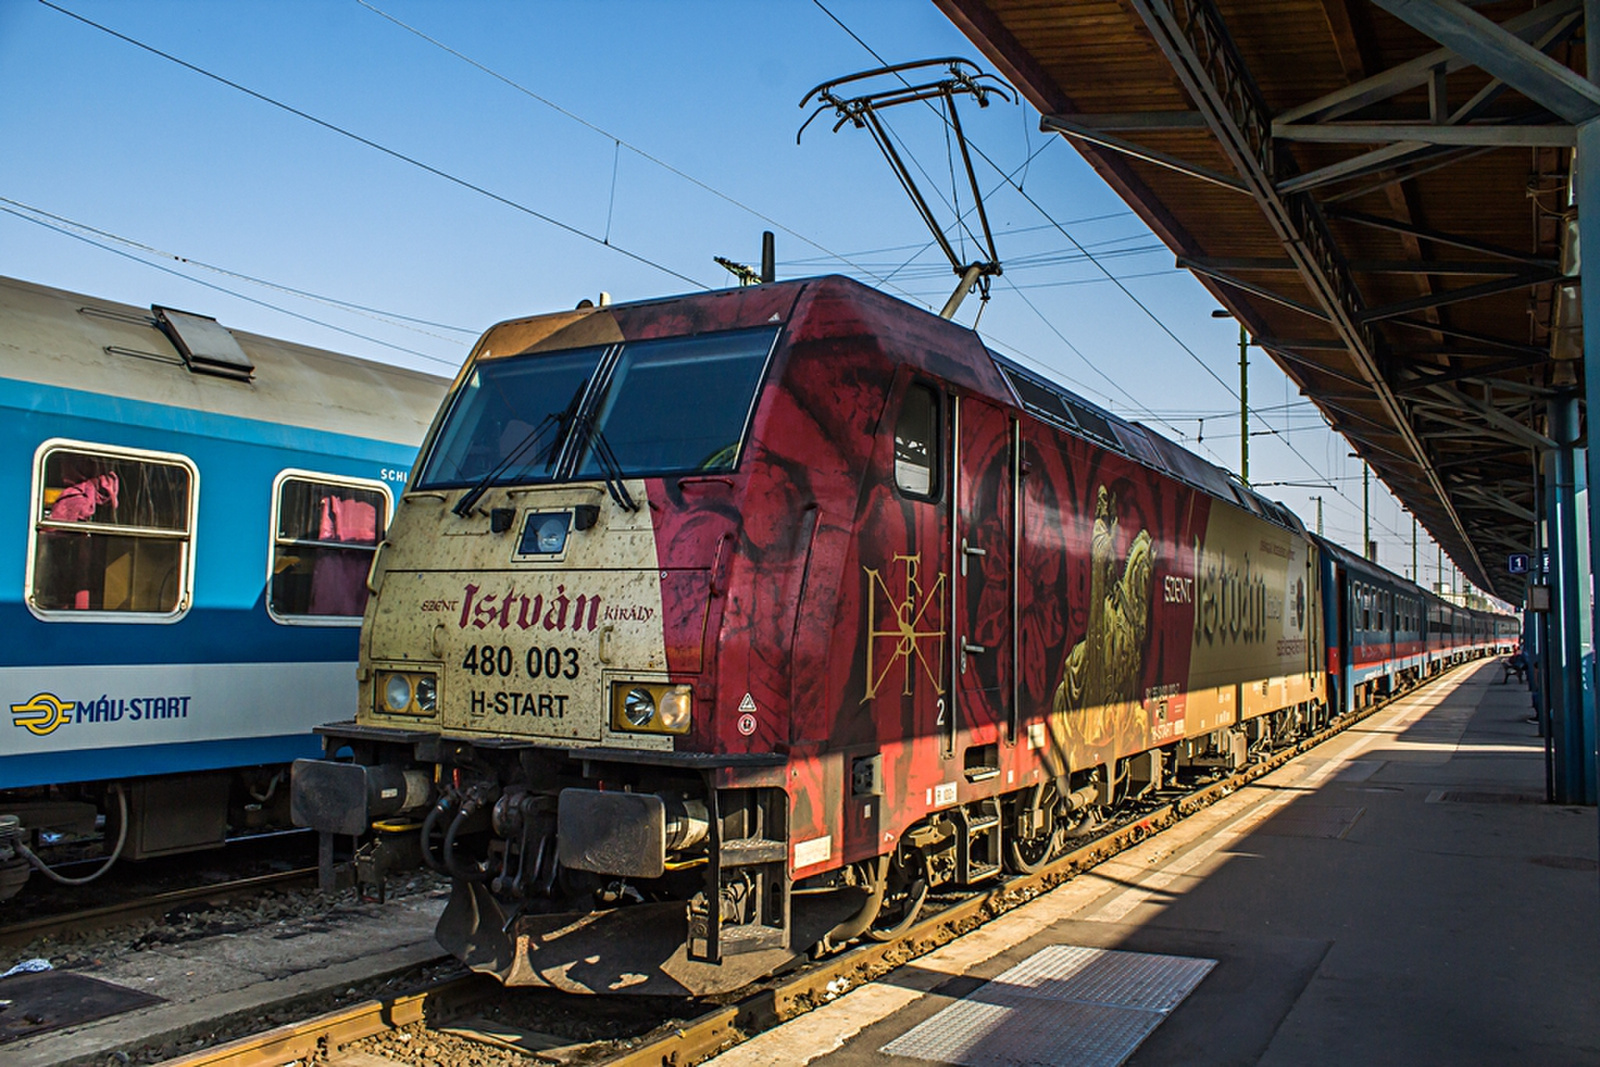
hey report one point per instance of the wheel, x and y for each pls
(1025, 855)
(903, 899)
(899, 912)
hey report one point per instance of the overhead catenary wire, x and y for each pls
(598, 239)
(619, 142)
(393, 317)
(4, 207)
(332, 127)
(1091, 258)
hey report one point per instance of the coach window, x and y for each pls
(112, 534)
(916, 442)
(325, 531)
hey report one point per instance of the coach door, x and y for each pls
(983, 554)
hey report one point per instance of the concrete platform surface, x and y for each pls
(241, 973)
(1401, 895)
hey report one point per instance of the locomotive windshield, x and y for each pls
(678, 404)
(666, 406)
(509, 420)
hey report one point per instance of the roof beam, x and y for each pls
(1500, 425)
(1503, 55)
(1186, 263)
(1192, 37)
(1440, 237)
(1408, 138)
(1456, 296)
(1136, 120)
(1446, 158)
(1495, 500)
(1309, 344)
(1493, 415)
(1476, 338)
(1525, 27)
(1290, 356)
(1422, 379)
(1465, 268)
(1069, 126)
(1387, 158)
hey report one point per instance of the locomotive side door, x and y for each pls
(984, 585)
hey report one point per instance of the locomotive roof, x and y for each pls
(778, 302)
(1067, 410)
(72, 341)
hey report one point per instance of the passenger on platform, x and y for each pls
(1516, 664)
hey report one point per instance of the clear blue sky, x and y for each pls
(667, 129)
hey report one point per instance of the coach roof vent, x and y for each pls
(206, 345)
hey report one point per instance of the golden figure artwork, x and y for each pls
(1097, 700)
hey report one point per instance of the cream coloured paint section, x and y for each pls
(450, 586)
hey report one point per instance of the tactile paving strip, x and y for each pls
(1064, 1006)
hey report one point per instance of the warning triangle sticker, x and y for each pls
(748, 703)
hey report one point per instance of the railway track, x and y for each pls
(447, 1008)
(150, 907)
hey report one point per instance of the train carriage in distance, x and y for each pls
(1388, 634)
(718, 629)
(187, 518)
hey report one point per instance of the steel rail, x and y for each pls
(315, 1039)
(20, 933)
(783, 998)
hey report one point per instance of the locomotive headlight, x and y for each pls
(552, 533)
(397, 693)
(408, 693)
(638, 707)
(651, 707)
(544, 533)
(674, 709)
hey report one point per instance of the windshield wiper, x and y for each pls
(561, 421)
(472, 496)
(609, 466)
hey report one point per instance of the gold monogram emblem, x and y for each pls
(904, 626)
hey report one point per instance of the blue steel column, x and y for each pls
(1588, 190)
(1536, 627)
(1574, 746)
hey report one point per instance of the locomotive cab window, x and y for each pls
(672, 405)
(325, 532)
(113, 534)
(675, 405)
(916, 443)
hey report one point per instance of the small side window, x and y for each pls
(916, 443)
(325, 531)
(113, 533)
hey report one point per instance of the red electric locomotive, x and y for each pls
(717, 629)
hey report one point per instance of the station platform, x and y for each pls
(1400, 895)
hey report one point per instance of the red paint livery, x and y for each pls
(846, 608)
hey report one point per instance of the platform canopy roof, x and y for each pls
(1379, 191)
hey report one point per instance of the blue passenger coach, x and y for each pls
(187, 519)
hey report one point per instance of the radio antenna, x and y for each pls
(961, 77)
